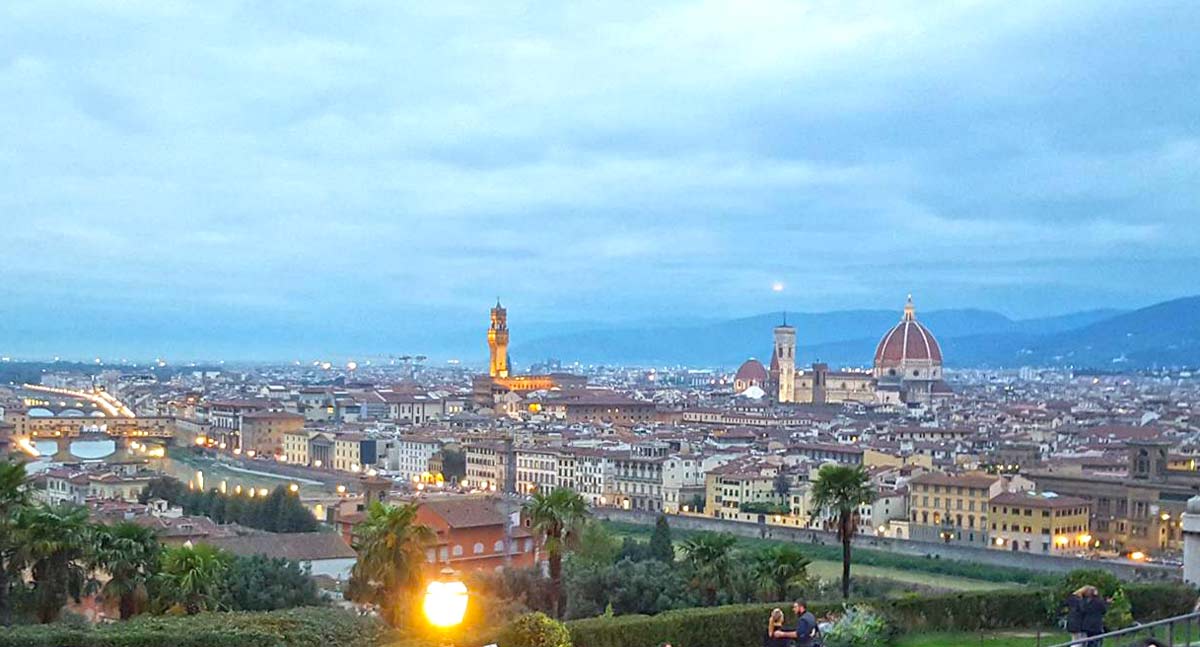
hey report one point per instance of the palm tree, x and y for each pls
(780, 566)
(708, 554)
(129, 554)
(839, 490)
(390, 544)
(56, 541)
(13, 499)
(192, 578)
(556, 518)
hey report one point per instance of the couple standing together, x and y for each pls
(1085, 615)
(804, 634)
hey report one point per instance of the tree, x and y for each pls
(261, 583)
(597, 546)
(55, 542)
(708, 555)
(839, 490)
(661, 547)
(129, 553)
(13, 498)
(391, 549)
(192, 578)
(556, 518)
(782, 485)
(454, 465)
(779, 567)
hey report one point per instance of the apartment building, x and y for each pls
(1040, 523)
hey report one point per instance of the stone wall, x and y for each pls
(955, 552)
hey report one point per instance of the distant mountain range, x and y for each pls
(1165, 334)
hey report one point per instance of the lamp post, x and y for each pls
(445, 600)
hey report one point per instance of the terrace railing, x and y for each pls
(1179, 631)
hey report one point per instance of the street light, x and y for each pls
(445, 600)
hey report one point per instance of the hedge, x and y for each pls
(743, 625)
(308, 627)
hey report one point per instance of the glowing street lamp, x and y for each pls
(445, 600)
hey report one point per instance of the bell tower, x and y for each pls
(498, 342)
(785, 354)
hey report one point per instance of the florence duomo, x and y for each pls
(907, 368)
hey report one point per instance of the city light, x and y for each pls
(445, 601)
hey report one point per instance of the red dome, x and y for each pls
(752, 370)
(907, 341)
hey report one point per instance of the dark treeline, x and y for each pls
(279, 511)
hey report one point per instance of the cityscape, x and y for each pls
(700, 324)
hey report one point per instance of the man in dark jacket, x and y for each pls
(1093, 609)
(1074, 606)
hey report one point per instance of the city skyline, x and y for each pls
(216, 178)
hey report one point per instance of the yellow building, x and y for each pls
(1040, 523)
(347, 452)
(731, 486)
(954, 507)
(295, 446)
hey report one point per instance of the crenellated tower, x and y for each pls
(498, 342)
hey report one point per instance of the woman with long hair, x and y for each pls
(773, 625)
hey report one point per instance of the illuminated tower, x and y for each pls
(498, 342)
(785, 354)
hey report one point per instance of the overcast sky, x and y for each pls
(192, 176)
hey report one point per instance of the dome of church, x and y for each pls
(751, 371)
(908, 343)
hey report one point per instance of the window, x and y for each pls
(458, 550)
(478, 548)
(498, 546)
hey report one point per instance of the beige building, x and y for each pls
(262, 431)
(734, 485)
(1040, 523)
(954, 507)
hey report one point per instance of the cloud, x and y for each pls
(620, 160)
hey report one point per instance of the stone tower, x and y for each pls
(785, 353)
(498, 342)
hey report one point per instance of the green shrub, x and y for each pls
(860, 626)
(535, 630)
(1155, 601)
(291, 628)
(967, 611)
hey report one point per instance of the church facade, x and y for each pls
(907, 368)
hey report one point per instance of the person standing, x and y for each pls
(1074, 606)
(1093, 610)
(806, 625)
(775, 626)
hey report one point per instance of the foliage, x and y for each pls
(192, 579)
(454, 465)
(260, 583)
(782, 485)
(869, 557)
(839, 490)
(13, 498)
(535, 630)
(780, 567)
(597, 546)
(661, 546)
(1152, 601)
(648, 586)
(859, 626)
(292, 628)
(1120, 612)
(764, 507)
(279, 511)
(55, 540)
(129, 553)
(390, 544)
(556, 518)
(707, 554)
(634, 550)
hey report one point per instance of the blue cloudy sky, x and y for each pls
(262, 178)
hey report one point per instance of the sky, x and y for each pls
(269, 178)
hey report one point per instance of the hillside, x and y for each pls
(1163, 334)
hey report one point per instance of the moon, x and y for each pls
(777, 286)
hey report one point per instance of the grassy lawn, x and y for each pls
(1007, 638)
(827, 570)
